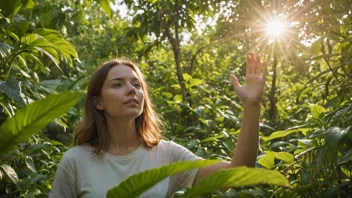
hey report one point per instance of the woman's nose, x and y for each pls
(131, 90)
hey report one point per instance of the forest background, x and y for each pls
(186, 49)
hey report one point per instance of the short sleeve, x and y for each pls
(186, 178)
(64, 184)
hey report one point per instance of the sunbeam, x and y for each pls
(275, 28)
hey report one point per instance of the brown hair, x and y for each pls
(93, 128)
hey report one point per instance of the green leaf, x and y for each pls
(27, 182)
(51, 54)
(331, 192)
(12, 88)
(23, 62)
(5, 49)
(186, 77)
(33, 148)
(10, 8)
(51, 43)
(347, 157)
(279, 134)
(267, 160)
(214, 138)
(28, 4)
(30, 164)
(176, 86)
(333, 135)
(316, 46)
(8, 108)
(237, 177)
(317, 110)
(138, 183)
(10, 173)
(36, 60)
(321, 155)
(20, 25)
(105, 4)
(37, 42)
(284, 156)
(57, 40)
(49, 85)
(195, 82)
(34, 117)
(178, 98)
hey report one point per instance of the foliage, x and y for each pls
(241, 176)
(19, 128)
(187, 49)
(34, 117)
(136, 185)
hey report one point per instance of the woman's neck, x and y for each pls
(123, 137)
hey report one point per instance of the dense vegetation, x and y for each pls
(186, 49)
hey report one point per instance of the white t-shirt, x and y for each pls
(80, 174)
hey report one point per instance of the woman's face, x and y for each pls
(121, 95)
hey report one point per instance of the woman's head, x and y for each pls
(93, 127)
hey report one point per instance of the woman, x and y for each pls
(120, 135)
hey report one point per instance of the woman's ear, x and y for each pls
(98, 104)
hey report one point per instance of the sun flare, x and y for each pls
(275, 28)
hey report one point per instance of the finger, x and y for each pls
(265, 70)
(249, 64)
(254, 62)
(258, 66)
(234, 81)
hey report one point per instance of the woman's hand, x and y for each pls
(250, 93)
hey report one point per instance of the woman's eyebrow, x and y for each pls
(122, 79)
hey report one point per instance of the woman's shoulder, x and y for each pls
(78, 151)
(169, 145)
(165, 143)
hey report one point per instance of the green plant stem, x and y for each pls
(312, 192)
(301, 194)
(276, 191)
(334, 172)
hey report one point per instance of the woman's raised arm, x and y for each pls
(250, 94)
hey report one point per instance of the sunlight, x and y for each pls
(275, 28)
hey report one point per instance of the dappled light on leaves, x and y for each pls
(186, 50)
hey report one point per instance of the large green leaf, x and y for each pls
(33, 117)
(284, 156)
(195, 81)
(51, 43)
(36, 42)
(138, 183)
(347, 157)
(279, 134)
(333, 135)
(57, 40)
(237, 177)
(317, 110)
(267, 160)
